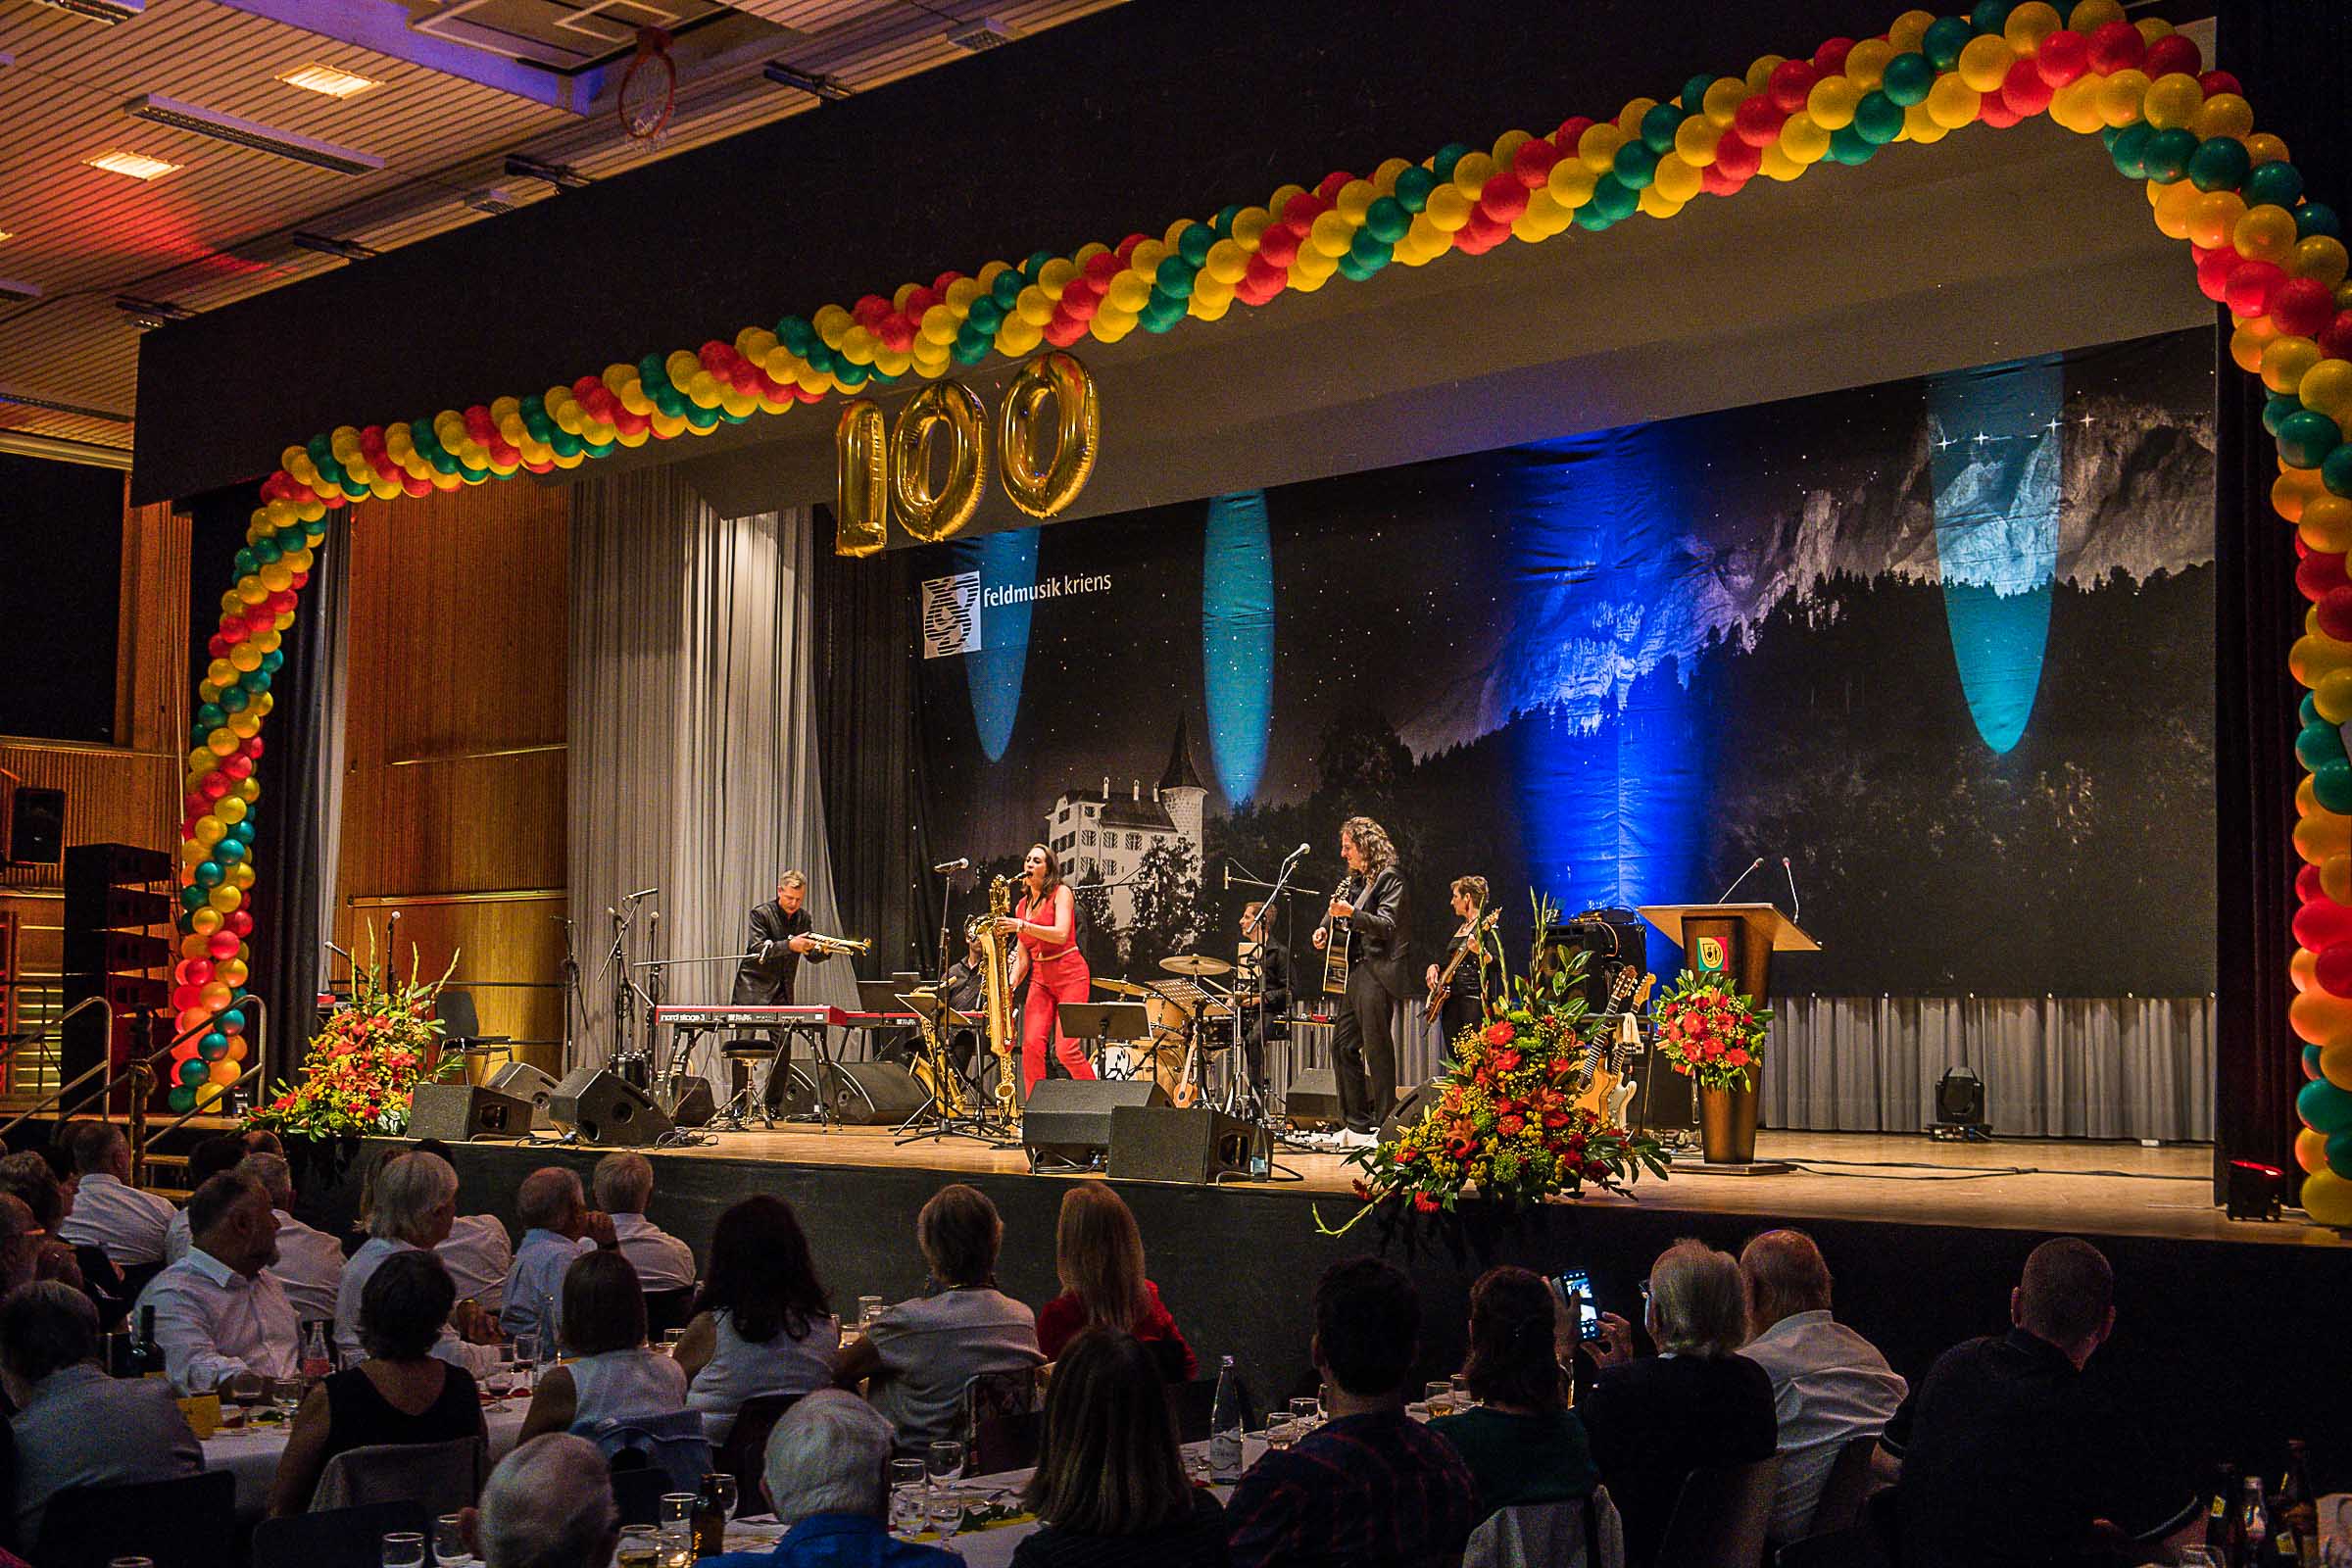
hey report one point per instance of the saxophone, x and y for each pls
(996, 959)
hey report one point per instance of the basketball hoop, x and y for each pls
(649, 90)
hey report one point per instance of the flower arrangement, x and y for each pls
(1505, 1118)
(364, 1066)
(1710, 1033)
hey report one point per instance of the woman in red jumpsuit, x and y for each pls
(1046, 924)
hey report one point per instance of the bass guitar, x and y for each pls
(1438, 993)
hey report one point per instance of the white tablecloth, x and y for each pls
(252, 1455)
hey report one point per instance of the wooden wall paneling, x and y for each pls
(509, 950)
(153, 683)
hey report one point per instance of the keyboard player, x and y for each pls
(771, 969)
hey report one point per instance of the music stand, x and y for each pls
(1105, 1021)
(882, 995)
(938, 1018)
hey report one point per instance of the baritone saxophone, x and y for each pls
(995, 975)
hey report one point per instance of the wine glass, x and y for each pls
(286, 1394)
(724, 1485)
(1438, 1392)
(1282, 1431)
(448, 1542)
(943, 1461)
(677, 1508)
(241, 1392)
(527, 1349)
(1308, 1413)
(907, 1478)
(499, 1380)
(404, 1549)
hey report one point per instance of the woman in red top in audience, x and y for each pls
(1099, 1256)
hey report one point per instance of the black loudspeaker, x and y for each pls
(457, 1112)
(865, 1093)
(1312, 1102)
(1194, 1145)
(526, 1082)
(1409, 1108)
(692, 1105)
(37, 827)
(1068, 1119)
(605, 1108)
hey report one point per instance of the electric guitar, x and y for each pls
(1438, 993)
(1338, 940)
(1607, 1089)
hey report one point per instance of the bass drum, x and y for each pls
(1160, 1055)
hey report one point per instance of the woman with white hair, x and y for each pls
(828, 1463)
(415, 1200)
(1696, 1405)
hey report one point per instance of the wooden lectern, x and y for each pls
(1735, 940)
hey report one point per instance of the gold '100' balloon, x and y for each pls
(952, 408)
(860, 480)
(1041, 489)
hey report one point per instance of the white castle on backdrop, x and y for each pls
(1101, 836)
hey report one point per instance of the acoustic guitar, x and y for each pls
(1338, 939)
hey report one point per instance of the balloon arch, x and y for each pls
(2213, 180)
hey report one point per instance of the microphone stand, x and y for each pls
(571, 991)
(1256, 931)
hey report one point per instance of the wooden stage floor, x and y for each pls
(2012, 1184)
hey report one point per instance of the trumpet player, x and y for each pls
(771, 963)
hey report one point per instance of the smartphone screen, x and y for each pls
(1578, 1285)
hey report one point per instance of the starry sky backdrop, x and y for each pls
(1944, 643)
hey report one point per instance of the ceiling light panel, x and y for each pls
(315, 77)
(138, 165)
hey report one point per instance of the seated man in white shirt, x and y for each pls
(108, 1213)
(1829, 1384)
(625, 1185)
(416, 1201)
(559, 1227)
(219, 1310)
(309, 1263)
(477, 1251)
(208, 1159)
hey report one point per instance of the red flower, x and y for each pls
(1555, 1118)
(1738, 1057)
(1500, 1032)
(1424, 1203)
(1363, 1192)
(1507, 1061)
(1512, 1126)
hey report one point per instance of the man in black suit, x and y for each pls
(772, 966)
(1363, 1046)
(1266, 1003)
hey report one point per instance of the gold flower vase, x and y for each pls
(1727, 1125)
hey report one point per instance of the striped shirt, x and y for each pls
(1379, 1491)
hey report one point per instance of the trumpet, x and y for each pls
(837, 946)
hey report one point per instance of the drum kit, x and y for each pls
(1190, 1024)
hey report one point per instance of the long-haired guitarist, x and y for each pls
(1046, 924)
(1367, 923)
(1463, 970)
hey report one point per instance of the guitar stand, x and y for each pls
(975, 1122)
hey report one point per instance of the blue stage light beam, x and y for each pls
(1237, 639)
(994, 671)
(1996, 453)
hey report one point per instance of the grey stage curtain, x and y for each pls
(692, 749)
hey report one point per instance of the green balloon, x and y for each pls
(2324, 1107)
(1387, 221)
(2220, 164)
(1613, 198)
(2276, 408)
(2335, 470)
(2332, 785)
(2131, 151)
(1659, 125)
(2278, 183)
(1636, 165)
(1413, 186)
(2315, 745)
(1877, 119)
(1908, 77)
(2311, 1063)
(2339, 1154)
(1943, 41)
(2305, 437)
(2168, 155)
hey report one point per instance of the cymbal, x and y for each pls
(1119, 988)
(1196, 964)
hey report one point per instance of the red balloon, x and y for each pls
(237, 768)
(869, 309)
(1079, 302)
(2335, 338)
(240, 920)
(1717, 181)
(186, 996)
(2213, 272)
(2117, 46)
(2307, 884)
(2322, 921)
(2219, 81)
(1571, 128)
(1102, 268)
(2334, 967)
(1997, 113)
(2062, 56)
(2174, 52)
(1502, 198)
(1329, 189)
(1063, 330)
(1757, 122)
(2302, 306)
(2024, 90)
(1278, 246)
(1830, 58)
(212, 786)
(1483, 233)
(2251, 285)
(222, 943)
(1736, 158)
(2335, 614)
(1301, 210)
(1532, 162)
(1792, 80)
(2320, 573)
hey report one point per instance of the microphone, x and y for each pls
(1301, 850)
(346, 957)
(961, 863)
(1229, 876)
(614, 913)
(1741, 877)
(1795, 904)
(641, 892)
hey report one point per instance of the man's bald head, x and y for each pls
(2066, 1297)
(1784, 1274)
(548, 1504)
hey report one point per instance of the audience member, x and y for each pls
(921, 1354)
(610, 1373)
(827, 1469)
(1696, 1405)
(32, 1179)
(415, 1198)
(557, 1229)
(625, 1185)
(219, 1310)
(1111, 1489)
(1371, 1484)
(108, 1212)
(762, 1323)
(309, 1263)
(75, 1426)
(1830, 1386)
(478, 1250)
(548, 1504)
(1522, 1442)
(402, 1393)
(2010, 1452)
(19, 1243)
(207, 1160)
(1099, 1258)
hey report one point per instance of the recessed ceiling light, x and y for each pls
(5, 235)
(315, 77)
(138, 165)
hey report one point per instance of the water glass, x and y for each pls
(1308, 1414)
(945, 1507)
(404, 1549)
(1438, 1392)
(1419, 1411)
(450, 1546)
(286, 1394)
(639, 1547)
(869, 1308)
(671, 1340)
(525, 1349)
(674, 1546)
(677, 1508)
(724, 1485)
(944, 1461)
(906, 1488)
(1282, 1431)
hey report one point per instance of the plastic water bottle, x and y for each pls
(1226, 1418)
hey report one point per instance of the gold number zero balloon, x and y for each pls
(1038, 488)
(953, 409)
(860, 480)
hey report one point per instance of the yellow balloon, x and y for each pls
(208, 1095)
(2029, 24)
(2303, 969)
(2225, 114)
(2322, 257)
(2326, 523)
(234, 971)
(1722, 101)
(2173, 101)
(2311, 1151)
(1803, 139)
(2121, 97)
(241, 874)
(2321, 1018)
(2076, 106)
(1043, 488)
(1597, 148)
(2174, 208)
(1866, 62)
(1833, 101)
(2245, 350)
(1696, 140)
(206, 920)
(1984, 62)
(2333, 697)
(210, 830)
(2327, 1199)
(860, 480)
(2322, 834)
(2326, 386)
(225, 898)
(224, 1072)
(2264, 148)
(2336, 879)
(1951, 103)
(2267, 233)
(1909, 28)
(1653, 202)
(2285, 359)
(2088, 15)
(1675, 181)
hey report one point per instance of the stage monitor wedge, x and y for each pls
(458, 1114)
(526, 1082)
(1196, 1144)
(1067, 1121)
(607, 1110)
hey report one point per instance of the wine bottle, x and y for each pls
(145, 1358)
(710, 1519)
(1227, 1416)
(2296, 1513)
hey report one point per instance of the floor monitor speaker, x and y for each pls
(526, 1082)
(692, 1105)
(1410, 1107)
(865, 1093)
(1312, 1102)
(457, 1112)
(1196, 1144)
(607, 1109)
(1067, 1121)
